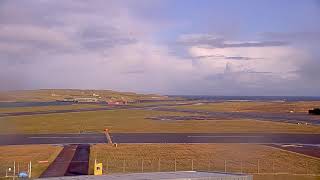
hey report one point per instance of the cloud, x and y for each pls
(307, 36)
(220, 42)
(115, 45)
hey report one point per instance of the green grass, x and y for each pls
(60, 94)
(271, 107)
(206, 157)
(135, 121)
(50, 108)
(23, 154)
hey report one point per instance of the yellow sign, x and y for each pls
(97, 168)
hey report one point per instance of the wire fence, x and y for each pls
(16, 169)
(229, 166)
(132, 165)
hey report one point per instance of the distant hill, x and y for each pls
(60, 94)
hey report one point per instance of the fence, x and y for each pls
(115, 165)
(229, 166)
(16, 169)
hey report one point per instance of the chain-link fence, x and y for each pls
(216, 165)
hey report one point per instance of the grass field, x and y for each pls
(205, 157)
(50, 108)
(26, 153)
(135, 121)
(59, 94)
(272, 107)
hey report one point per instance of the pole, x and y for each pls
(124, 165)
(159, 165)
(258, 166)
(142, 165)
(241, 167)
(14, 169)
(30, 170)
(225, 166)
(107, 166)
(175, 164)
(273, 166)
(192, 164)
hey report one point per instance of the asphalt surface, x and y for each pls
(73, 160)
(60, 165)
(21, 139)
(79, 164)
(95, 138)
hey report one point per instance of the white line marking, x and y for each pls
(65, 137)
(225, 136)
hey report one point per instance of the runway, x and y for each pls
(95, 138)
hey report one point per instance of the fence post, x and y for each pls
(225, 166)
(142, 165)
(209, 165)
(307, 167)
(124, 165)
(107, 166)
(159, 165)
(175, 164)
(273, 167)
(14, 169)
(192, 164)
(258, 166)
(241, 167)
(30, 171)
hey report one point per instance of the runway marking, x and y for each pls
(65, 137)
(225, 136)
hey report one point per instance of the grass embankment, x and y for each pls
(206, 157)
(135, 121)
(269, 107)
(22, 155)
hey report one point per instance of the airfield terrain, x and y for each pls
(277, 134)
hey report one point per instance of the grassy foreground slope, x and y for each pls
(136, 121)
(212, 157)
(40, 155)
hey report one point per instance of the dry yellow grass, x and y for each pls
(206, 157)
(23, 154)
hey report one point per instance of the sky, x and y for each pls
(171, 47)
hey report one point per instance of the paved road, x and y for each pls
(93, 138)
(20, 139)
